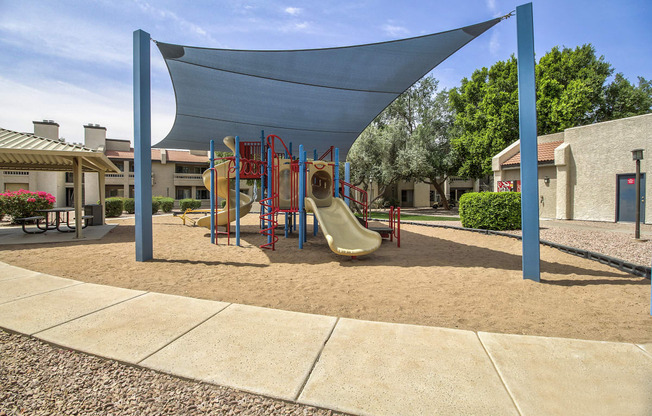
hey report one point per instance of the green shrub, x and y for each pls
(22, 203)
(129, 205)
(189, 203)
(113, 207)
(491, 210)
(166, 203)
(155, 206)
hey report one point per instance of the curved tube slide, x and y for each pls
(345, 235)
(224, 215)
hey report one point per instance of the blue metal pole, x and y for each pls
(315, 155)
(237, 190)
(142, 147)
(270, 202)
(347, 179)
(302, 192)
(528, 135)
(290, 155)
(212, 192)
(336, 174)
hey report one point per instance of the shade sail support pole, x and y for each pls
(528, 135)
(142, 147)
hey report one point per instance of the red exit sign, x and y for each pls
(631, 181)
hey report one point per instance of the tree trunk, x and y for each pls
(440, 190)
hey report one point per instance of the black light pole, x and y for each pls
(637, 155)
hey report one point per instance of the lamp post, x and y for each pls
(637, 155)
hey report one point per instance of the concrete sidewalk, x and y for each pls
(358, 367)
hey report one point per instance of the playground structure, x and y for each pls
(223, 173)
(292, 187)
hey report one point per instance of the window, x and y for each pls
(113, 191)
(190, 169)
(183, 192)
(202, 194)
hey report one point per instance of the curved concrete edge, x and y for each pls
(349, 365)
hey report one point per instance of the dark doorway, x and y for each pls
(626, 208)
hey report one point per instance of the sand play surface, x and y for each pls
(438, 277)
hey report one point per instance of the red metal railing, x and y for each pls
(251, 165)
(329, 152)
(363, 202)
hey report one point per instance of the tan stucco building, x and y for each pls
(587, 172)
(420, 194)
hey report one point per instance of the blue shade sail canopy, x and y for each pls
(315, 97)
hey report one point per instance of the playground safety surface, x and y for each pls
(349, 365)
(441, 278)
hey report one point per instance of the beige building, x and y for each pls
(587, 172)
(175, 173)
(420, 194)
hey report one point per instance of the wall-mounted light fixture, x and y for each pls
(546, 180)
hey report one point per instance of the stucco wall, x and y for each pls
(547, 193)
(163, 179)
(598, 153)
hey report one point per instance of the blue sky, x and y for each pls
(71, 61)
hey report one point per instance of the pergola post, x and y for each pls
(527, 118)
(101, 181)
(142, 147)
(77, 184)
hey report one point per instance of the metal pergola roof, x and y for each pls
(24, 151)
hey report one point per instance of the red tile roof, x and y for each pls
(185, 156)
(173, 155)
(545, 152)
(123, 154)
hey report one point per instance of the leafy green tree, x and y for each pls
(486, 117)
(622, 99)
(572, 90)
(427, 156)
(407, 141)
(373, 156)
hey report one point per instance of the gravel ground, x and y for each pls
(611, 239)
(38, 379)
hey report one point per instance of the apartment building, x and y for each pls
(175, 173)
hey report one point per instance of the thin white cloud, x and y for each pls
(160, 13)
(50, 34)
(294, 11)
(72, 106)
(491, 5)
(494, 43)
(394, 30)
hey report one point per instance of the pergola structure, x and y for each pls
(23, 151)
(318, 95)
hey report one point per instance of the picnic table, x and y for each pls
(56, 222)
(52, 219)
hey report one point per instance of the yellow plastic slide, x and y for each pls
(225, 215)
(345, 235)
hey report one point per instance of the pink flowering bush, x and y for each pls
(24, 203)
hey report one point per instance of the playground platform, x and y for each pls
(348, 365)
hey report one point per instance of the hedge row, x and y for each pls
(189, 203)
(491, 210)
(115, 206)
